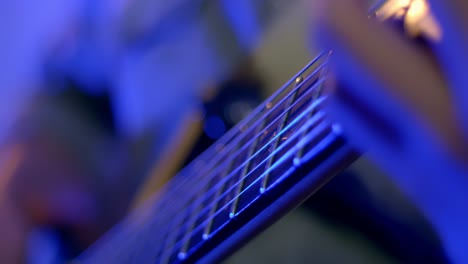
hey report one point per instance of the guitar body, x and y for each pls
(264, 167)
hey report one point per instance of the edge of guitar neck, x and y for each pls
(337, 161)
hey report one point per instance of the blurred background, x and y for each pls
(104, 100)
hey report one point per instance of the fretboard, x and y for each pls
(225, 181)
(284, 151)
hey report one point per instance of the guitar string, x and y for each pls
(213, 172)
(290, 152)
(209, 169)
(160, 203)
(236, 129)
(201, 225)
(261, 107)
(234, 132)
(295, 135)
(293, 149)
(233, 172)
(321, 55)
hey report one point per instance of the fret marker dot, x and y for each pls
(205, 236)
(262, 190)
(232, 215)
(182, 255)
(337, 128)
(297, 161)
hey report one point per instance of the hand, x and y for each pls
(405, 106)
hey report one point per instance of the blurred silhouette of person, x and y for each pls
(61, 168)
(405, 105)
(71, 176)
(64, 169)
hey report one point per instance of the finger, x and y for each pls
(378, 64)
(452, 51)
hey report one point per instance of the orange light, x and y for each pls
(419, 19)
(417, 10)
(392, 8)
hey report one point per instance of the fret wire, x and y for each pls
(316, 71)
(311, 122)
(169, 244)
(178, 181)
(175, 230)
(160, 221)
(310, 137)
(193, 218)
(211, 151)
(259, 122)
(318, 126)
(186, 227)
(245, 170)
(172, 211)
(301, 150)
(324, 71)
(215, 213)
(204, 179)
(218, 187)
(208, 152)
(232, 173)
(206, 232)
(251, 117)
(260, 164)
(290, 152)
(281, 126)
(278, 93)
(215, 200)
(172, 208)
(165, 238)
(176, 244)
(186, 239)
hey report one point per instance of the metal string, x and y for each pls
(232, 173)
(290, 152)
(298, 133)
(179, 181)
(205, 178)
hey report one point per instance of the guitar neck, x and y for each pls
(282, 153)
(236, 179)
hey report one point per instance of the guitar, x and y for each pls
(261, 169)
